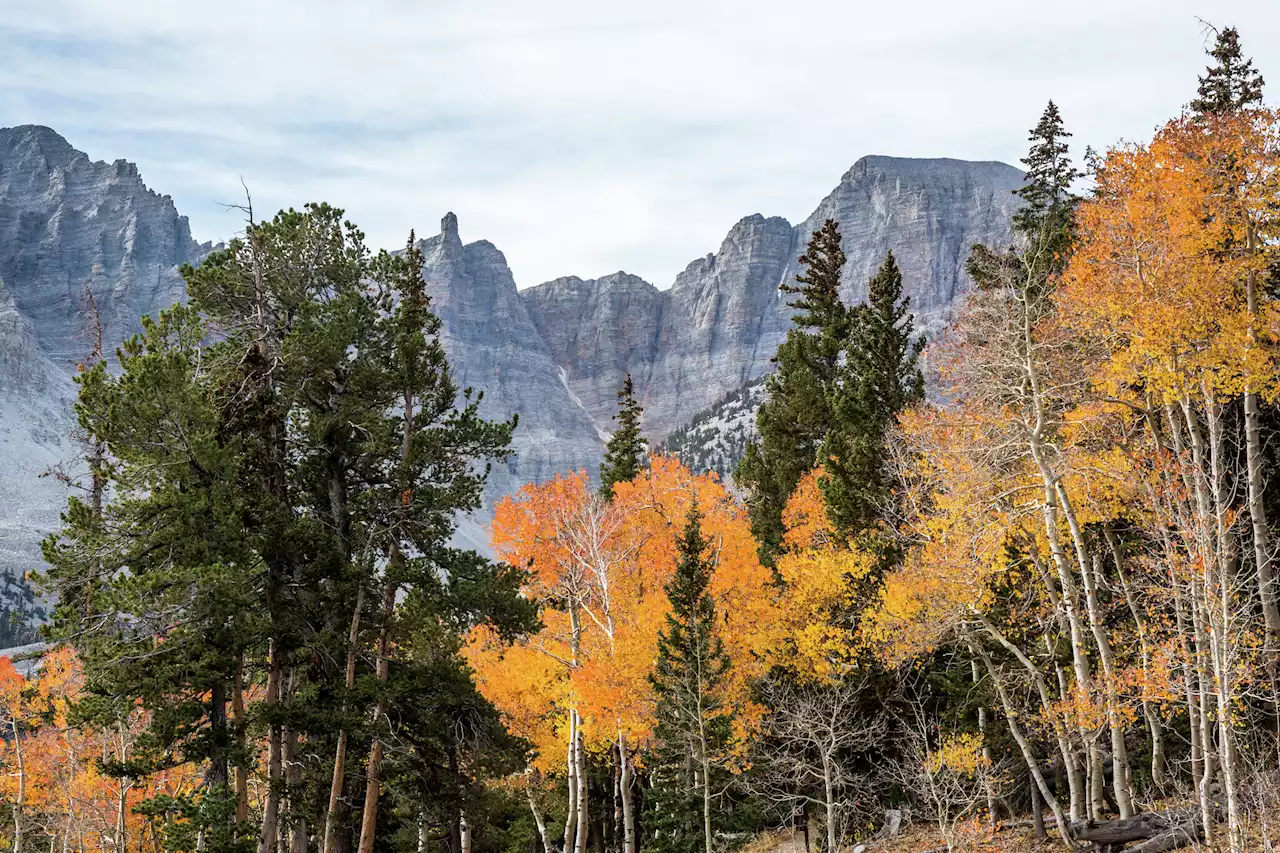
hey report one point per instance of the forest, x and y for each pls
(1013, 588)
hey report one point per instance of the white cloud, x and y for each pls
(582, 137)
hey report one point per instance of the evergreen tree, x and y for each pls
(796, 417)
(281, 499)
(1048, 203)
(625, 453)
(879, 378)
(693, 726)
(1232, 84)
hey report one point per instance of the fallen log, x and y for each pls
(1158, 831)
(1188, 833)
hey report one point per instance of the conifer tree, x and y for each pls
(796, 417)
(1232, 84)
(281, 499)
(879, 378)
(1048, 203)
(625, 453)
(693, 726)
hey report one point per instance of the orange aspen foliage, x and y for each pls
(1165, 250)
(810, 636)
(610, 562)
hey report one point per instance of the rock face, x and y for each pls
(67, 224)
(554, 355)
(721, 322)
(494, 347)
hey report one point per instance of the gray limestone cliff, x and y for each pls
(720, 323)
(554, 354)
(67, 224)
(494, 347)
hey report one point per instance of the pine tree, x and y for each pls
(1048, 203)
(879, 378)
(281, 499)
(624, 455)
(1230, 85)
(693, 726)
(796, 416)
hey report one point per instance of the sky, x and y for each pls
(584, 136)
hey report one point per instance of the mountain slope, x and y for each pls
(723, 318)
(553, 354)
(67, 225)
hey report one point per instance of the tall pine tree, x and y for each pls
(624, 455)
(1230, 85)
(1048, 202)
(281, 500)
(879, 378)
(693, 725)
(796, 417)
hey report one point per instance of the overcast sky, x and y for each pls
(584, 136)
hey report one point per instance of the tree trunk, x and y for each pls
(538, 820)
(340, 752)
(828, 793)
(271, 806)
(571, 772)
(20, 801)
(583, 816)
(373, 769)
(1011, 718)
(237, 718)
(628, 805)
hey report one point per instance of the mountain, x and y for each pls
(67, 225)
(716, 438)
(554, 354)
(720, 323)
(494, 347)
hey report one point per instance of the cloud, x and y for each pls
(582, 137)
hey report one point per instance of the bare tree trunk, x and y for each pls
(340, 752)
(986, 750)
(122, 798)
(571, 814)
(628, 805)
(829, 803)
(20, 801)
(237, 717)
(464, 833)
(583, 816)
(373, 770)
(537, 815)
(271, 806)
(1033, 765)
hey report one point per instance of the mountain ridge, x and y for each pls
(554, 353)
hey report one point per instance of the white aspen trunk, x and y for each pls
(1190, 694)
(829, 802)
(1257, 509)
(1033, 765)
(122, 800)
(338, 779)
(538, 820)
(1205, 689)
(464, 832)
(628, 804)
(373, 768)
(20, 801)
(987, 787)
(1154, 727)
(571, 813)
(583, 817)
